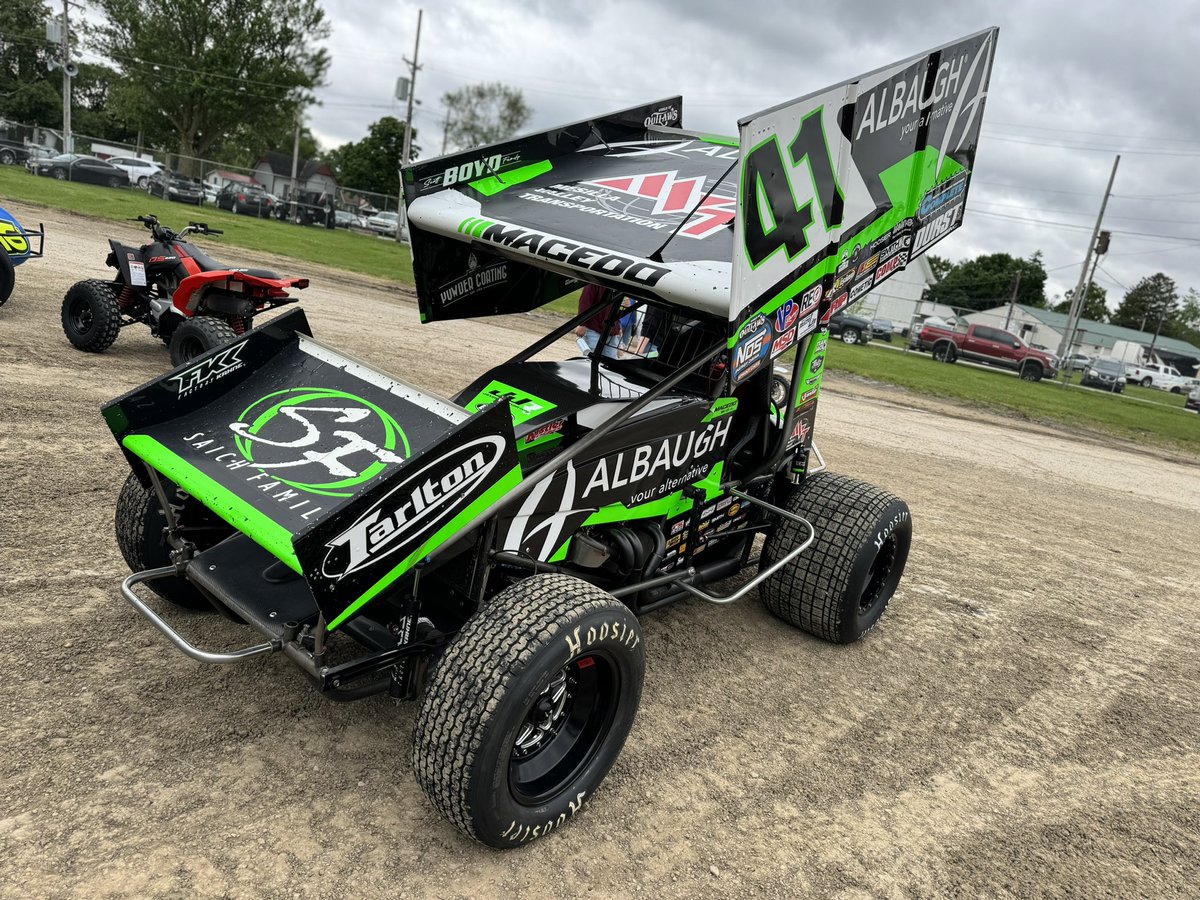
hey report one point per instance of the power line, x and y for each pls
(1109, 149)
(1071, 212)
(1072, 225)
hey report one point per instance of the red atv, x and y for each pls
(188, 299)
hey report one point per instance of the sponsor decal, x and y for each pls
(549, 428)
(665, 115)
(835, 306)
(324, 441)
(679, 526)
(674, 541)
(212, 369)
(683, 149)
(816, 365)
(822, 345)
(938, 228)
(708, 510)
(803, 428)
(478, 278)
(861, 288)
(809, 395)
(907, 97)
(12, 241)
(560, 250)
(524, 406)
(867, 265)
(812, 296)
(644, 469)
(807, 324)
(470, 171)
(786, 316)
(783, 342)
(672, 196)
(162, 259)
(901, 243)
(409, 512)
(724, 502)
(734, 510)
(939, 195)
(843, 279)
(888, 268)
(749, 354)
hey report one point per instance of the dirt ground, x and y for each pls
(1023, 721)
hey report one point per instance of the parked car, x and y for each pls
(983, 343)
(384, 223)
(914, 336)
(170, 186)
(882, 329)
(74, 167)
(1193, 400)
(140, 171)
(1078, 362)
(1105, 373)
(1165, 378)
(851, 329)
(245, 200)
(343, 218)
(13, 153)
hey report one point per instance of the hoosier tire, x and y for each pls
(527, 709)
(91, 316)
(841, 585)
(198, 335)
(141, 535)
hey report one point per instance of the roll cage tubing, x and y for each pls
(554, 465)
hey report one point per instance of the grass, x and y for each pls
(356, 252)
(1164, 422)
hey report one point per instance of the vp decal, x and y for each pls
(319, 440)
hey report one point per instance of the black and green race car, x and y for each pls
(489, 555)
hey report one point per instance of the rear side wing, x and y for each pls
(840, 189)
(344, 474)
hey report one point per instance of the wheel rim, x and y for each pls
(60, 174)
(849, 337)
(778, 393)
(190, 347)
(1146, 382)
(563, 729)
(80, 315)
(881, 568)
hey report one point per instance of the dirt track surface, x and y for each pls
(1022, 722)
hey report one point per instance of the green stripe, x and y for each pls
(493, 184)
(443, 534)
(482, 226)
(256, 525)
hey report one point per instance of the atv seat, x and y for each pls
(208, 264)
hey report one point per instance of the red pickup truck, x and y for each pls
(983, 343)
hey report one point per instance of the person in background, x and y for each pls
(587, 334)
(628, 323)
(653, 326)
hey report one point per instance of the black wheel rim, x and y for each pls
(190, 347)
(778, 393)
(80, 316)
(877, 579)
(563, 729)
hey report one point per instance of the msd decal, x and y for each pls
(411, 511)
(672, 195)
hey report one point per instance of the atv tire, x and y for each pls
(141, 535)
(91, 317)
(839, 587)
(7, 277)
(198, 335)
(527, 709)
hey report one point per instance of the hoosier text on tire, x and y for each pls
(528, 708)
(839, 587)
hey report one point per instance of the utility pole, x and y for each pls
(68, 142)
(445, 131)
(1081, 287)
(1012, 299)
(402, 222)
(296, 167)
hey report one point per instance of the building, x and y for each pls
(1045, 328)
(274, 172)
(218, 178)
(899, 298)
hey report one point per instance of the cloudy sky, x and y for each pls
(1074, 84)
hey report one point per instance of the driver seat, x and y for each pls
(208, 264)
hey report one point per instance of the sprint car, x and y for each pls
(15, 248)
(489, 555)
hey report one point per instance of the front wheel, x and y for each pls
(528, 708)
(91, 316)
(59, 174)
(1147, 382)
(780, 389)
(114, 182)
(7, 277)
(839, 587)
(1031, 372)
(851, 336)
(198, 335)
(143, 182)
(1176, 390)
(7, 157)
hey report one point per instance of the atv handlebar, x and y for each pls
(163, 233)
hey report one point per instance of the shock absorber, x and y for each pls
(125, 298)
(238, 324)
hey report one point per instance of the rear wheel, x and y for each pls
(1147, 382)
(91, 317)
(945, 352)
(141, 529)
(780, 388)
(142, 182)
(60, 174)
(114, 181)
(528, 708)
(198, 335)
(7, 157)
(839, 587)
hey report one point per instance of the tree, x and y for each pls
(373, 164)
(1152, 300)
(987, 281)
(939, 265)
(1186, 325)
(196, 75)
(484, 114)
(1094, 306)
(29, 93)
